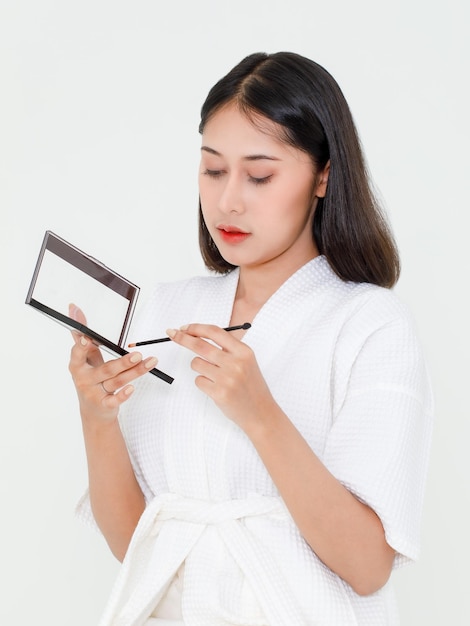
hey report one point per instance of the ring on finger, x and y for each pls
(109, 393)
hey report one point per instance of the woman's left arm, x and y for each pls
(345, 533)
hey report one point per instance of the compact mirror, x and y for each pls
(65, 275)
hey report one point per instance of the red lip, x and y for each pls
(232, 234)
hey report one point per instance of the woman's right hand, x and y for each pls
(116, 498)
(102, 386)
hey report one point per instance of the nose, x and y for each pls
(231, 197)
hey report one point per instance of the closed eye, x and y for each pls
(260, 181)
(253, 179)
(213, 173)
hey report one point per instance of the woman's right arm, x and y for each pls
(116, 499)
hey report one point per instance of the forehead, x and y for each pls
(231, 125)
(232, 133)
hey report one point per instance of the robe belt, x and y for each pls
(211, 513)
(167, 532)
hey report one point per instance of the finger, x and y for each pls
(114, 400)
(198, 345)
(115, 375)
(77, 314)
(94, 357)
(85, 351)
(205, 368)
(218, 335)
(205, 333)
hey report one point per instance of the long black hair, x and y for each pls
(299, 95)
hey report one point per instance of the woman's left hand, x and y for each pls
(228, 373)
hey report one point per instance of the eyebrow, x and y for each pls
(249, 157)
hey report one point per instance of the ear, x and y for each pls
(322, 183)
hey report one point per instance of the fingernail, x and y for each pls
(135, 357)
(150, 362)
(128, 390)
(184, 327)
(171, 332)
(83, 341)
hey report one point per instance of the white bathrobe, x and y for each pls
(343, 362)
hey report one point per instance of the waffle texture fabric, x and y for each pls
(343, 361)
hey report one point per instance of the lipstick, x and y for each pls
(232, 234)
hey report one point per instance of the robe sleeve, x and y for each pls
(379, 444)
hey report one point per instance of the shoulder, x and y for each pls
(377, 316)
(381, 343)
(377, 305)
(372, 304)
(366, 318)
(377, 344)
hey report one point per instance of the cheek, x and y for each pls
(206, 194)
(208, 206)
(302, 201)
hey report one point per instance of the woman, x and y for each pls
(280, 479)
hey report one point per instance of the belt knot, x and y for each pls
(209, 512)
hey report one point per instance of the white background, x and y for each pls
(99, 108)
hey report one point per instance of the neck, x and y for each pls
(257, 284)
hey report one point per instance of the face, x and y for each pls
(257, 193)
